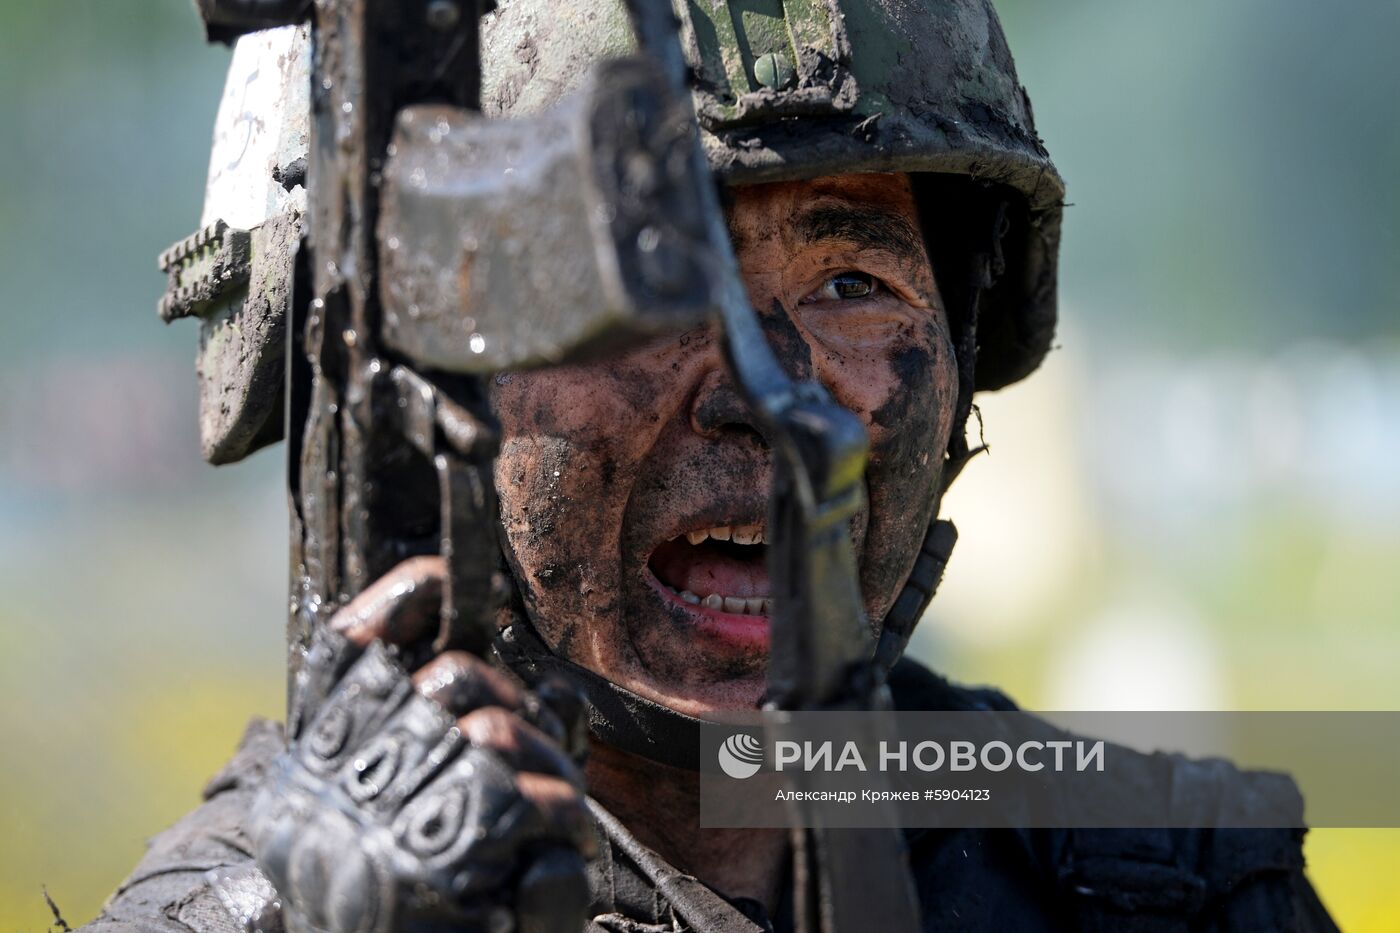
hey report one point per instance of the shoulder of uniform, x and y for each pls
(1249, 875)
(914, 687)
(1238, 877)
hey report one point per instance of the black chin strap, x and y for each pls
(616, 716)
(917, 593)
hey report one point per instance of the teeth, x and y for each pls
(747, 534)
(739, 534)
(739, 605)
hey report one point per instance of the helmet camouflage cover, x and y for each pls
(796, 89)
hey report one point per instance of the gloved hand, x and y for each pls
(445, 799)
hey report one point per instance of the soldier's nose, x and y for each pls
(718, 407)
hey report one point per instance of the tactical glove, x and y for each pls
(387, 812)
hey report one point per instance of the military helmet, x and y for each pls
(796, 89)
(787, 90)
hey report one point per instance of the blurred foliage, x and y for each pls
(1231, 168)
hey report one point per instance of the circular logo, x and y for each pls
(741, 756)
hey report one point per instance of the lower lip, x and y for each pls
(739, 631)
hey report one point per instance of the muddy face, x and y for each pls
(634, 491)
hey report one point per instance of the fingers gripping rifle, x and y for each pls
(436, 248)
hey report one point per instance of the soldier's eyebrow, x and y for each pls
(868, 226)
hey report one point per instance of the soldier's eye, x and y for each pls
(848, 286)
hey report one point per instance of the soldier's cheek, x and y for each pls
(594, 423)
(561, 501)
(908, 434)
(573, 440)
(895, 390)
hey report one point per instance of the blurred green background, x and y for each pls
(1195, 505)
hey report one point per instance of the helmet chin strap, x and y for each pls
(643, 727)
(616, 716)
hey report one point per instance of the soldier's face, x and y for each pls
(634, 491)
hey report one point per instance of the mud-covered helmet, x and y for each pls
(796, 89)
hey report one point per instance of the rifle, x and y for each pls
(427, 260)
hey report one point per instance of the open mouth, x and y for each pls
(723, 569)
